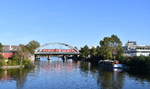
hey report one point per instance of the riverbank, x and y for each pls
(12, 67)
(139, 64)
(14, 64)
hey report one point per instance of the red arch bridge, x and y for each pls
(64, 53)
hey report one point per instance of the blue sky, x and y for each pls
(77, 22)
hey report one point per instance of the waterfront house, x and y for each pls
(9, 51)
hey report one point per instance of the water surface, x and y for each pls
(56, 74)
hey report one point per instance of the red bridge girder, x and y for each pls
(58, 50)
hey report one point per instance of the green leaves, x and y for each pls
(111, 47)
(93, 52)
(25, 51)
(85, 51)
(32, 45)
(1, 47)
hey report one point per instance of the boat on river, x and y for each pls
(111, 64)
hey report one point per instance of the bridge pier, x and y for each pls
(64, 58)
(37, 57)
(48, 58)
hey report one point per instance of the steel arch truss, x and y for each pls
(57, 43)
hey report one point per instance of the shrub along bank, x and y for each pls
(139, 64)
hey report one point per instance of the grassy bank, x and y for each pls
(14, 62)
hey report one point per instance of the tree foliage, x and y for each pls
(32, 45)
(85, 52)
(25, 51)
(93, 52)
(1, 56)
(111, 47)
(1, 47)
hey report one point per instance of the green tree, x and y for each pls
(1, 50)
(93, 52)
(111, 47)
(22, 56)
(25, 51)
(22, 53)
(98, 50)
(1, 56)
(32, 45)
(85, 52)
(1, 47)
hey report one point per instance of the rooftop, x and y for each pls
(10, 47)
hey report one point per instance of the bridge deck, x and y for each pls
(56, 53)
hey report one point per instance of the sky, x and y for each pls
(76, 22)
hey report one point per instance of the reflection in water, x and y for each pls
(18, 75)
(106, 79)
(140, 78)
(56, 74)
(111, 80)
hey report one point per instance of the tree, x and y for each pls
(25, 51)
(1, 50)
(98, 50)
(85, 52)
(22, 56)
(93, 52)
(22, 53)
(32, 45)
(1, 56)
(1, 47)
(111, 47)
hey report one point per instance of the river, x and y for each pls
(56, 74)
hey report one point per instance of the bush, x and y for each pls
(13, 62)
(1, 56)
(123, 59)
(139, 64)
(27, 63)
(2, 62)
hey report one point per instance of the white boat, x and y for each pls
(118, 65)
(111, 64)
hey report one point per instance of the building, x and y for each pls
(9, 51)
(132, 49)
(10, 48)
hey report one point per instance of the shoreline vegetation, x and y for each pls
(110, 48)
(140, 64)
(21, 58)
